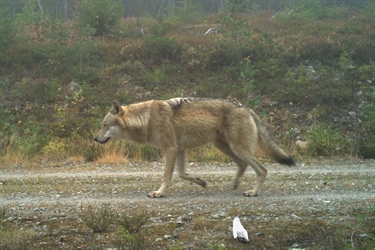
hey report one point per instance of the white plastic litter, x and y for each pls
(239, 232)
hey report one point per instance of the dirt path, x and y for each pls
(118, 184)
(323, 198)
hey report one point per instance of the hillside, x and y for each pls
(310, 77)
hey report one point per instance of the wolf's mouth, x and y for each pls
(102, 141)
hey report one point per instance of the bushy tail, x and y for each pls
(269, 146)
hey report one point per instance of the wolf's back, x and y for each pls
(268, 145)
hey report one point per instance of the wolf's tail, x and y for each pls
(269, 146)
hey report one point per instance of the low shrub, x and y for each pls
(12, 237)
(161, 49)
(127, 241)
(8, 28)
(133, 224)
(325, 140)
(99, 219)
(54, 150)
(367, 142)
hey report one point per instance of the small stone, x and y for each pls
(10, 219)
(215, 216)
(152, 219)
(176, 235)
(260, 234)
(363, 235)
(167, 237)
(179, 221)
(296, 217)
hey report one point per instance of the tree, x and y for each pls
(101, 15)
(7, 25)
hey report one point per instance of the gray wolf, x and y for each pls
(177, 124)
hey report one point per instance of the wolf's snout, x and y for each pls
(101, 140)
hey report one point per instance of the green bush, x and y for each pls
(101, 15)
(99, 219)
(324, 140)
(367, 142)
(161, 49)
(370, 8)
(126, 241)
(6, 129)
(159, 29)
(235, 26)
(304, 10)
(247, 75)
(133, 224)
(7, 26)
(29, 138)
(54, 150)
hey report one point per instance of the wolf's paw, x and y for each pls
(250, 193)
(200, 182)
(155, 194)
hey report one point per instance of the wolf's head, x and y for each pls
(112, 125)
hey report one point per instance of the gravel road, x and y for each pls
(72, 183)
(333, 191)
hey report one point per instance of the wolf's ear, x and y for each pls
(116, 108)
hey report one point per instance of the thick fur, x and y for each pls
(180, 123)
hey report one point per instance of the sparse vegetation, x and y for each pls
(307, 69)
(265, 60)
(326, 141)
(99, 219)
(11, 236)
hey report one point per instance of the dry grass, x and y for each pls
(112, 157)
(11, 236)
(138, 153)
(15, 238)
(12, 157)
(75, 159)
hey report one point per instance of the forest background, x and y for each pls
(305, 66)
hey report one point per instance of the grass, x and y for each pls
(11, 235)
(283, 50)
(133, 223)
(12, 157)
(98, 219)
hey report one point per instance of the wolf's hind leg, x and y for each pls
(224, 147)
(261, 173)
(181, 170)
(243, 153)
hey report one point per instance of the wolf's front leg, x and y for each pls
(170, 161)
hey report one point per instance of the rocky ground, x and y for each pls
(324, 204)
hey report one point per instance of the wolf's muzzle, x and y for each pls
(101, 141)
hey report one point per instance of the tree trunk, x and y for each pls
(65, 6)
